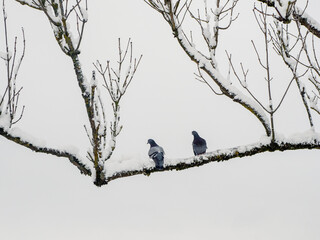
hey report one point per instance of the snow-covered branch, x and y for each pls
(116, 82)
(291, 43)
(31, 3)
(210, 25)
(307, 140)
(69, 18)
(59, 14)
(101, 134)
(9, 105)
(10, 98)
(287, 11)
(20, 138)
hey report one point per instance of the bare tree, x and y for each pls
(67, 18)
(286, 29)
(10, 97)
(300, 54)
(277, 20)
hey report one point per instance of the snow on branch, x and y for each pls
(210, 22)
(20, 138)
(10, 98)
(307, 140)
(102, 136)
(68, 18)
(287, 11)
(292, 43)
(62, 15)
(116, 82)
(31, 3)
(9, 105)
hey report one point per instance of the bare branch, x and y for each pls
(243, 85)
(202, 79)
(33, 4)
(299, 15)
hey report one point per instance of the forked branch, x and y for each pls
(208, 22)
(9, 103)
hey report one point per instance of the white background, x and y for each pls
(267, 196)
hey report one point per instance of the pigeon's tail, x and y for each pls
(158, 159)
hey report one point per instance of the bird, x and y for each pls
(156, 153)
(199, 145)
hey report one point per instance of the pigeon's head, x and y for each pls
(151, 142)
(194, 133)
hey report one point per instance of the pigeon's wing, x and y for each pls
(200, 149)
(161, 150)
(199, 146)
(153, 151)
(157, 155)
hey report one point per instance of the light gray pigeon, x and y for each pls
(156, 153)
(199, 145)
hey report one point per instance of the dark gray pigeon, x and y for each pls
(199, 145)
(156, 153)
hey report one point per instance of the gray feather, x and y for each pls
(156, 153)
(199, 145)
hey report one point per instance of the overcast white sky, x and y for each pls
(268, 196)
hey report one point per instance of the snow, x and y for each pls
(207, 34)
(84, 13)
(128, 70)
(282, 6)
(25, 137)
(140, 163)
(313, 103)
(17, 132)
(137, 162)
(72, 149)
(127, 163)
(56, 19)
(310, 20)
(309, 136)
(30, 2)
(203, 62)
(4, 120)
(270, 103)
(291, 62)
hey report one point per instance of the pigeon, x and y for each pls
(199, 145)
(156, 153)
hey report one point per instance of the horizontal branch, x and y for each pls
(220, 155)
(208, 65)
(59, 153)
